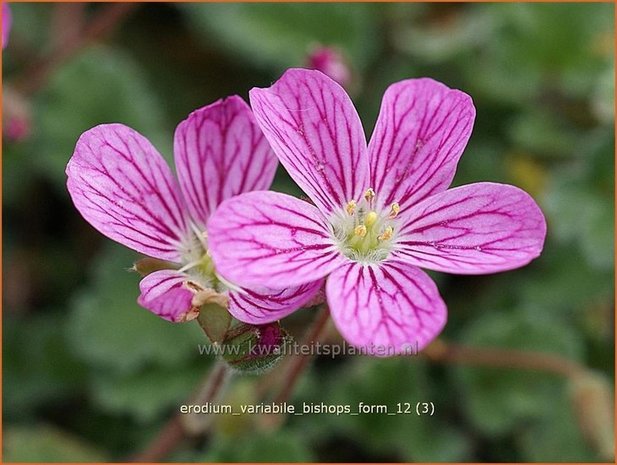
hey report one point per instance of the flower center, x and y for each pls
(198, 263)
(205, 269)
(364, 232)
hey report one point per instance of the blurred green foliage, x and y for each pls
(89, 375)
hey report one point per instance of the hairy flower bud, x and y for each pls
(254, 349)
(332, 63)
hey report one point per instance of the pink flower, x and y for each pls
(6, 23)
(381, 211)
(331, 62)
(122, 186)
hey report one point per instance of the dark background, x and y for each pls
(89, 375)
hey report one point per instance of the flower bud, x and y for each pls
(254, 349)
(332, 63)
(17, 115)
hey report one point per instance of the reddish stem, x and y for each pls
(175, 431)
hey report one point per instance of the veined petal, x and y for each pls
(420, 134)
(316, 133)
(221, 152)
(474, 229)
(387, 309)
(165, 294)
(122, 186)
(271, 239)
(263, 305)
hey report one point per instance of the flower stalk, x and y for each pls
(180, 427)
(442, 352)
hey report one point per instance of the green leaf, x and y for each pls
(146, 395)
(536, 47)
(582, 211)
(545, 133)
(29, 31)
(98, 86)
(561, 284)
(556, 438)
(38, 351)
(280, 35)
(43, 443)
(387, 382)
(496, 400)
(109, 329)
(280, 446)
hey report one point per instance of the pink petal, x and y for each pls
(221, 152)
(315, 131)
(474, 229)
(271, 239)
(165, 294)
(385, 308)
(421, 131)
(122, 186)
(263, 305)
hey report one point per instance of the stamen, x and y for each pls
(394, 210)
(386, 234)
(202, 236)
(369, 194)
(351, 207)
(370, 219)
(360, 230)
(190, 265)
(193, 286)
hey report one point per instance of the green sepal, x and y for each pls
(215, 321)
(148, 265)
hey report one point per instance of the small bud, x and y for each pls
(17, 115)
(331, 62)
(360, 230)
(255, 349)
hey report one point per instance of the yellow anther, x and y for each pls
(370, 218)
(351, 207)
(386, 234)
(394, 209)
(369, 194)
(360, 230)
